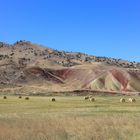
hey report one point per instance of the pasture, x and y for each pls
(69, 118)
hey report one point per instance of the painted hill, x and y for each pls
(27, 67)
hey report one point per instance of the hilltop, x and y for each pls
(27, 67)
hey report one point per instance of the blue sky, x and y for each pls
(98, 27)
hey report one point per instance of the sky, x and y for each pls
(97, 27)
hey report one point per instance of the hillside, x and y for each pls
(27, 67)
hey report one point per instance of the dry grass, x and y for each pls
(121, 127)
(70, 118)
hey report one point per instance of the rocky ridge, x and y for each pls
(28, 67)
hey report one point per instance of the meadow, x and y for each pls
(69, 118)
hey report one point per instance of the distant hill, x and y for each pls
(27, 67)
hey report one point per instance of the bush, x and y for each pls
(53, 100)
(4, 97)
(20, 97)
(26, 98)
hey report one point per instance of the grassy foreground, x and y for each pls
(69, 118)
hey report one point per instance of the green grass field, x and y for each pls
(69, 118)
